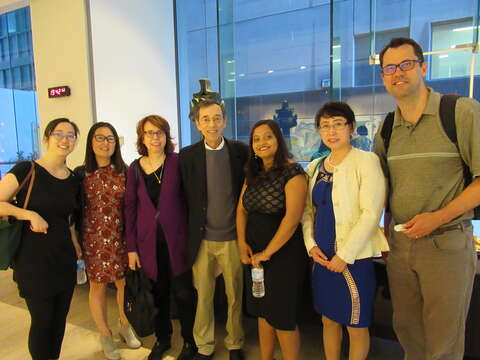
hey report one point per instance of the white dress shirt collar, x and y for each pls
(219, 147)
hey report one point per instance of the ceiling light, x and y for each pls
(464, 28)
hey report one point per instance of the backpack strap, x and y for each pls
(387, 127)
(447, 116)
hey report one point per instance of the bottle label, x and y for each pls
(257, 274)
(80, 264)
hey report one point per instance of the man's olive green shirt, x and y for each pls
(424, 168)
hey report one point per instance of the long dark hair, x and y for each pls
(254, 167)
(116, 158)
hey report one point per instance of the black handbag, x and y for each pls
(139, 304)
(11, 228)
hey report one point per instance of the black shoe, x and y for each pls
(199, 356)
(188, 351)
(158, 350)
(237, 354)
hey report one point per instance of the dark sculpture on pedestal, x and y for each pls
(286, 119)
(205, 93)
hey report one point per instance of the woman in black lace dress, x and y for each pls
(269, 234)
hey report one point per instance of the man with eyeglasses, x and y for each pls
(432, 261)
(212, 175)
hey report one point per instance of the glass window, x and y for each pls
(11, 22)
(196, 29)
(283, 59)
(364, 73)
(18, 114)
(447, 37)
(262, 55)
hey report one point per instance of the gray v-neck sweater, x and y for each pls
(221, 205)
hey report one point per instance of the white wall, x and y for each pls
(133, 49)
(63, 58)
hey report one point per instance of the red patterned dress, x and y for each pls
(105, 250)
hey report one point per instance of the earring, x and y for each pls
(255, 156)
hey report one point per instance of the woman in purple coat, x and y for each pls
(156, 227)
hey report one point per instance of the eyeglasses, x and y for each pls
(102, 138)
(405, 65)
(152, 134)
(335, 126)
(205, 121)
(60, 136)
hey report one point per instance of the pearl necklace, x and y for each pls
(329, 163)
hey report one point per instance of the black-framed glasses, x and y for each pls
(152, 134)
(405, 65)
(59, 136)
(102, 138)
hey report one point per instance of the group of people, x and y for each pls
(224, 207)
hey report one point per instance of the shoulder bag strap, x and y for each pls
(30, 185)
(24, 181)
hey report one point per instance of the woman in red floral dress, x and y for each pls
(105, 252)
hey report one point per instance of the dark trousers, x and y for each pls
(181, 289)
(48, 319)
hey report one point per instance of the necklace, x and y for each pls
(329, 163)
(158, 177)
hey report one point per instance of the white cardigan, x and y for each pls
(358, 196)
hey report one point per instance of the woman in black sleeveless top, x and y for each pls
(45, 265)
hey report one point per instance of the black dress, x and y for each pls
(284, 272)
(45, 264)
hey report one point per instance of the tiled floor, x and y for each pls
(81, 338)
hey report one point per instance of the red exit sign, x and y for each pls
(58, 91)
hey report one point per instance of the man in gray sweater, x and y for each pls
(212, 176)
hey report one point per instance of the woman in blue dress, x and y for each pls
(347, 192)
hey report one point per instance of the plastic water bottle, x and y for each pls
(258, 285)
(81, 274)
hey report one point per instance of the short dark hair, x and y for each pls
(116, 158)
(335, 108)
(54, 123)
(254, 166)
(399, 41)
(205, 103)
(163, 125)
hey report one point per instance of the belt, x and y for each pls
(460, 226)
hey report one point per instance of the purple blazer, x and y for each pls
(141, 218)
